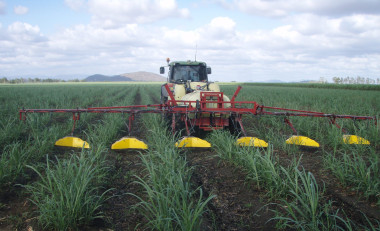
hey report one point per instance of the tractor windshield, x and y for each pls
(189, 72)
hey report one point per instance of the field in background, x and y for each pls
(347, 176)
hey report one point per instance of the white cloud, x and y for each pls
(350, 35)
(20, 27)
(178, 38)
(2, 7)
(22, 46)
(223, 23)
(120, 39)
(75, 4)
(220, 33)
(90, 38)
(294, 50)
(20, 31)
(114, 13)
(281, 8)
(21, 10)
(354, 24)
(81, 49)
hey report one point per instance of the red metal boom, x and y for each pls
(217, 116)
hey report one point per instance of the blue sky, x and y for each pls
(242, 40)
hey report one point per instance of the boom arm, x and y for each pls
(206, 117)
(238, 107)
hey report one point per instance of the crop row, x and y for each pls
(69, 182)
(374, 87)
(171, 201)
(27, 142)
(356, 166)
(302, 203)
(68, 189)
(354, 102)
(357, 171)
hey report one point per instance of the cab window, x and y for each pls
(192, 73)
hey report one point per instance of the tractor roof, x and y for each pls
(192, 63)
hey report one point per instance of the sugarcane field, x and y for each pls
(189, 154)
(201, 115)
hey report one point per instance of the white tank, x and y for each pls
(195, 95)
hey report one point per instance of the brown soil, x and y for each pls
(350, 201)
(16, 211)
(119, 211)
(238, 205)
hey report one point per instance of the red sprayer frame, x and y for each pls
(220, 115)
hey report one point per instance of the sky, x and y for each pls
(241, 40)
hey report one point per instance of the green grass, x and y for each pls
(306, 209)
(262, 166)
(372, 87)
(301, 204)
(362, 174)
(26, 143)
(171, 201)
(67, 193)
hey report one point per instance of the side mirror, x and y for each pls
(162, 70)
(208, 70)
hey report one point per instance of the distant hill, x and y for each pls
(142, 76)
(275, 81)
(267, 81)
(105, 78)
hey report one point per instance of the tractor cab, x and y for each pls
(185, 78)
(187, 71)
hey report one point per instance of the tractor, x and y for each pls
(189, 85)
(193, 104)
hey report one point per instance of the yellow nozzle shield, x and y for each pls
(192, 142)
(73, 142)
(251, 141)
(129, 143)
(352, 139)
(303, 141)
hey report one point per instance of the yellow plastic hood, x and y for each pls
(302, 141)
(129, 143)
(73, 142)
(352, 139)
(192, 142)
(251, 142)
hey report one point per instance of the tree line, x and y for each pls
(35, 80)
(337, 80)
(357, 80)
